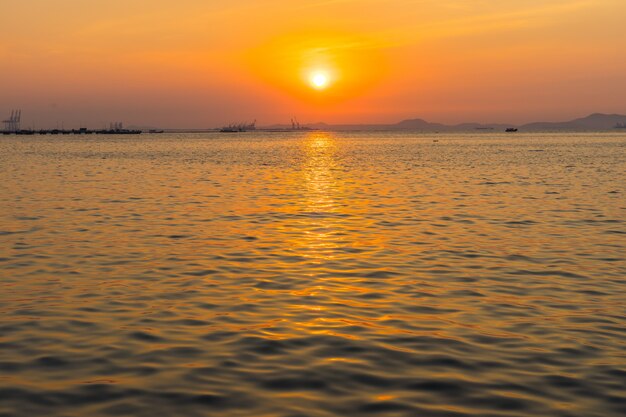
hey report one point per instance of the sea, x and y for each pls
(313, 274)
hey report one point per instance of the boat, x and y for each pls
(621, 125)
(511, 129)
(228, 129)
(155, 131)
(117, 129)
(115, 132)
(81, 131)
(240, 127)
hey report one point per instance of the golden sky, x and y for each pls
(204, 63)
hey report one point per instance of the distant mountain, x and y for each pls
(596, 121)
(420, 124)
(410, 124)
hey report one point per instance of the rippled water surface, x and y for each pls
(313, 274)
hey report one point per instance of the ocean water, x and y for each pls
(313, 274)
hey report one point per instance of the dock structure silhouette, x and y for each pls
(12, 126)
(13, 123)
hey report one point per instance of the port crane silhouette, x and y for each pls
(12, 124)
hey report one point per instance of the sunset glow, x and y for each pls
(322, 208)
(157, 63)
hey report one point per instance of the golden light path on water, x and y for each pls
(321, 203)
(313, 274)
(318, 232)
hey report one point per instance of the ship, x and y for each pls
(295, 126)
(620, 125)
(230, 129)
(116, 129)
(238, 127)
(511, 129)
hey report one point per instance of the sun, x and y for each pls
(319, 80)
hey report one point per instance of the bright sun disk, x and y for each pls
(319, 80)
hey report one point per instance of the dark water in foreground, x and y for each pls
(313, 274)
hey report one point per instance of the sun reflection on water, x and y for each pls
(322, 192)
(318, 169)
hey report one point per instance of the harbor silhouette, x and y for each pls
(12, 126)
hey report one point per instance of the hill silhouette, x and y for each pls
(593, 122)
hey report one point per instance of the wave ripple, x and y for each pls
(315, 275)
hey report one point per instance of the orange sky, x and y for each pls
(202, 63)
